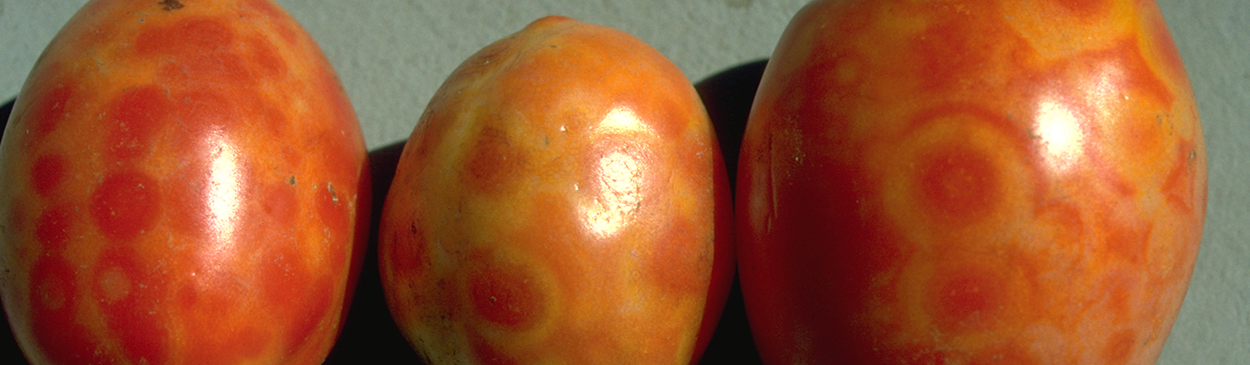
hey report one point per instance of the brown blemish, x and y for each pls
(170, 5)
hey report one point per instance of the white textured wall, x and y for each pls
(393, 54)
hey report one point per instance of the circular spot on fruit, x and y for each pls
(48, 110)
(52, 229)
(505, 293)
(125, 204)
(54, 318)
(954, 171)
(130, 296)
(136, 116)
(207, 116)
(966, 296)
(114, 285)
(492, 160)
(52, 285)
(1127, 241)
(957, 184)
(280, 204)
(196, 38)
(47, 174)
(406, 251)
(266, 57)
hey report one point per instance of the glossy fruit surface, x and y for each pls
(183, 183)
(970, 182)
(561, 200)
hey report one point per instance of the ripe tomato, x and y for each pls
(183, 182)
(561, 200)
(970, 182)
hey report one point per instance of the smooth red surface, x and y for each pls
(183, 185)
(561, 200)
(970, 182)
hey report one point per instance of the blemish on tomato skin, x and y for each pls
(675, 258)
(1085, 9)
(125, 204)
(275, 120)
(282, 270)
(504, 293)
(197, 50)
(136, 116)
(188, 210)
(1011, 354)
(207, 305)
(1118, 293)
(297, 296)
(54, 292)
(130, 293)
(48, 110)
(487, 353)
(1126, 240)
(1133, 73)
(1119, 349)
(185, 38)
(958, 184)
(407, 251)
(281, 204)
(206, 113)
(52, 229)
(1160, 40)
(170, 5)
(953, 49)
(47, 174)
(1179, 186)
(967, 297)
(268, 12)
(245, 342)
(266, 58)
(336, 218)
(491, 161)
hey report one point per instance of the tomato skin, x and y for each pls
(183, 183)
(970, 182)
(562, 200)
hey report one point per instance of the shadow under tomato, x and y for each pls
(369, 334)
(9, 352)
(728, 95)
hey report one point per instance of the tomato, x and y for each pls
(562, 200)
(970, 182)
(183, 182)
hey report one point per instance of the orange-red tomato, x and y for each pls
(560, 201)
(183, 183)
(970, 182)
